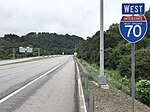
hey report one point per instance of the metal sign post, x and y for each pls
(13, 53)
(133, 74)
(25, 53)
(38, 51)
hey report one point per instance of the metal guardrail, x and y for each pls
(89, 96)
(86, 96)
(82, 105)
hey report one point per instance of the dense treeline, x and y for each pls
(118, 56)
(49, 44)
(118, 51)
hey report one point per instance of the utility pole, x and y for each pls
(102, 77)
(13, 53)
(75, 47)
(25, 55)
(38, 51)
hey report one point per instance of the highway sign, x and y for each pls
(21, 49)
(28, 49)
(75, 53)
(133, 8)
(133, 28)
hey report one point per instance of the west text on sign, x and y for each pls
(138, 8)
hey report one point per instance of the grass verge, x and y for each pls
(113, 77)
(115, 80)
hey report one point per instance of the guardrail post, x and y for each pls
(91, 101)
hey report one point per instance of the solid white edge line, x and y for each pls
(81, 94)
(28, 84)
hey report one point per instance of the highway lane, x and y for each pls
(56, 95)
(15, 75)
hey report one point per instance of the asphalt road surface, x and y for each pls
(56, 94)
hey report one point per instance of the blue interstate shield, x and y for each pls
(133, 28)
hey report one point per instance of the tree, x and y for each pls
(50, 43)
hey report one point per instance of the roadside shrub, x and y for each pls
(143, 91)
(142, 64)
(126, 85)
(124, 66)
(142, 68)
(114, 78)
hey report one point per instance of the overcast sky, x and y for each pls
(76, 17)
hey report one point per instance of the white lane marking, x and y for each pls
(28, 84)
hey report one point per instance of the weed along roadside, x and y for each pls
(116, 99)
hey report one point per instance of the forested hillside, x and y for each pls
(49, 44)
(118, 58)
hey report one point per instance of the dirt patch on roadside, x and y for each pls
(114, 100)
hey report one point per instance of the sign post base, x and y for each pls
(105, 86)
(102, 80)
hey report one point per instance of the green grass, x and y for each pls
(93, 67)
(90, 76)
(116, 81)
(113, 77)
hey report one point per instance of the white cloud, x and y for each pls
(113, 10)
(79, 17)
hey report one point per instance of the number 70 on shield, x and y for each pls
(135, 30)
